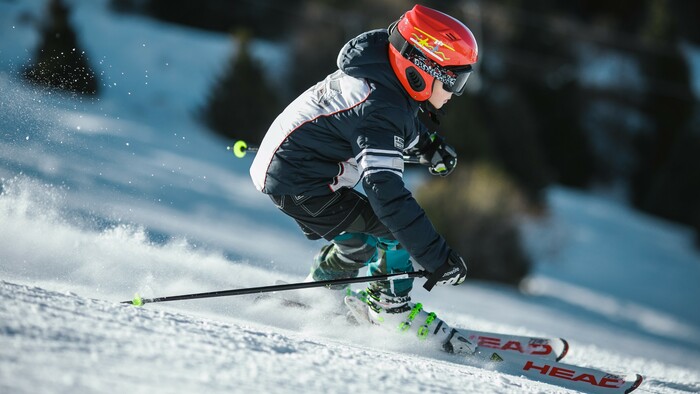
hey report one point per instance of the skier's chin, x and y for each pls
(440, 104)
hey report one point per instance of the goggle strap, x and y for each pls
(397, 40)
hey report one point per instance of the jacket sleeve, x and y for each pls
(379, 154)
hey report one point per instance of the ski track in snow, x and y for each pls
(49, 340)
(62, 335)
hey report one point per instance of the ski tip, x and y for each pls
(636, 384)
(565, 350)
(137, 300)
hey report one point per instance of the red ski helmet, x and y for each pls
(425, 45)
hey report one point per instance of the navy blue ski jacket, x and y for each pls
(353, 126)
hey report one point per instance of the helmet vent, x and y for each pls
(414, 79)
(451, 36)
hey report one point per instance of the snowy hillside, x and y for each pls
(127, 193)
(143, 351)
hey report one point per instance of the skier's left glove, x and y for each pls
(453, 272)
(440, 157)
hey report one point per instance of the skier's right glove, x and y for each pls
(453, 272)
(440, 157)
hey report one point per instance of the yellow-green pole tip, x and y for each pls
(137, 301)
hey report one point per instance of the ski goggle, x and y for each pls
(453, 79)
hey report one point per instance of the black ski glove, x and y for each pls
(440, 157)
(453, 272)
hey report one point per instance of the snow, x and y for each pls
(102, 198)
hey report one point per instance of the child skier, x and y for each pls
(355, 126)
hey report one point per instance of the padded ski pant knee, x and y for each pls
(351, 251)
(344, 257)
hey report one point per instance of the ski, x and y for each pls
(537, 359)
(546, 348)
(584, 379)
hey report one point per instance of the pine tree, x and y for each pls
(60, 63)
(242, 104)
(665, 181)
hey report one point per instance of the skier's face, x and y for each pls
(440, 96)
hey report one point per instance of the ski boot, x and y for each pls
(400, 315)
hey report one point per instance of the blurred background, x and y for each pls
(594, 95)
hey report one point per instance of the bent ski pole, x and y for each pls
(240, 148)
(138, 301)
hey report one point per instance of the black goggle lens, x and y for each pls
(461, 75)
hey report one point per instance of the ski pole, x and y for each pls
(240, 148)
(138, 301)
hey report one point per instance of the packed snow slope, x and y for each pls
(102, 198)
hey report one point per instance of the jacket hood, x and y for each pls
(366, 56)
